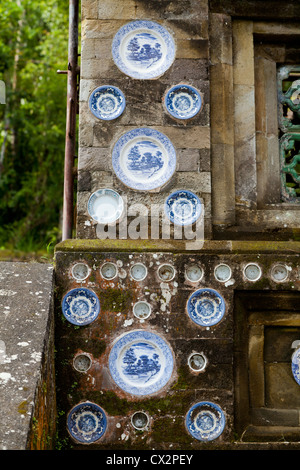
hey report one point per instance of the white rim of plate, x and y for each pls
(143, 26)
(118, 213)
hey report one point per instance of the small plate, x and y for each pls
(143, 49)
(87, 422)
(144, 159)
(141, 363)
(296, 365)
(183, 101)
(107, 102)
(183, 207)
(81, 306)
(206, 307)
(105, 206)
(205, 421)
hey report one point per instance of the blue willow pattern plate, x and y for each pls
(107, 102)
(296, 365)
(105, 206)
(183, 101)
(183, 207)
(87, 422)
(205, 421)
(143, 49)
(81, 306)
(144, 159)
(140, 362)
(206, 307)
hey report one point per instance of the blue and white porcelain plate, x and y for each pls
(205, 421)
(81, 306)
(144, 159)
(296, 365)
(107, 102)
(105, 206)
(87, 422)
(143, 49)
(141, 362)
(183, 207)
(183, 101)
(206, 307)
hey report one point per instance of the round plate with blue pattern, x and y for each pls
(206, 307)
(183, 101)
(107, 102)
(144, 159)
(105, 206)
(205, 421)
(183, 207)
(296, 365)
(87, 422)
(80, 306)
(143, 49)
(141, 362)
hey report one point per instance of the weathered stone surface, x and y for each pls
(27, 395)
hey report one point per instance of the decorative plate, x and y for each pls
(105, 206)
(81, 306)
(140, 362)
(296, 365)
(143, 49)
(206, 307)
(183, 207)
(183, 101)
(205, 421)
(107, 102)
(87, 422)
(144, 159)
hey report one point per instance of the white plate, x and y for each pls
(141, 362)
(105, 206)
(144, 159)
(205, 421)
(143, 49)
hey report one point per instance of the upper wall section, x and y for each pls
(186, 22)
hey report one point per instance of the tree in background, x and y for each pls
(33, 46)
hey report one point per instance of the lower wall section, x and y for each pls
(150, 351)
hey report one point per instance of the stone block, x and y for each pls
(116, 9)
(89, 10)
(94, 158)
(220, 39)
(188, 160)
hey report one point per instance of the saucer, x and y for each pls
(141, 362)
(105, 206)
(143, 49)
(87, 422)
(144, 159)
(81, 306)
(206, 307)
(183, 207)
(183, 101)
(107, 102)
(205, 421)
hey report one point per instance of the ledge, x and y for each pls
(209, 246)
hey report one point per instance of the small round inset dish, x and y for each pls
(279, 273)
(222, 272)
(109, 270)
(144, 159)
(205, 421)
(183, 101)
(140, 420)
(105, 206)
(138, 272)
(183, 207)
(87, 422)
(194, 273)
(197, 362)
(80, 271)
(81, 306)
(141, 362)
(143, 49)
(252, 272)
(82, 362)
(206, 307)
(296, 365)
(142, 310)
(166, 272)
(107, 102)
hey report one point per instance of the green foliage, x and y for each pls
(33, 46)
